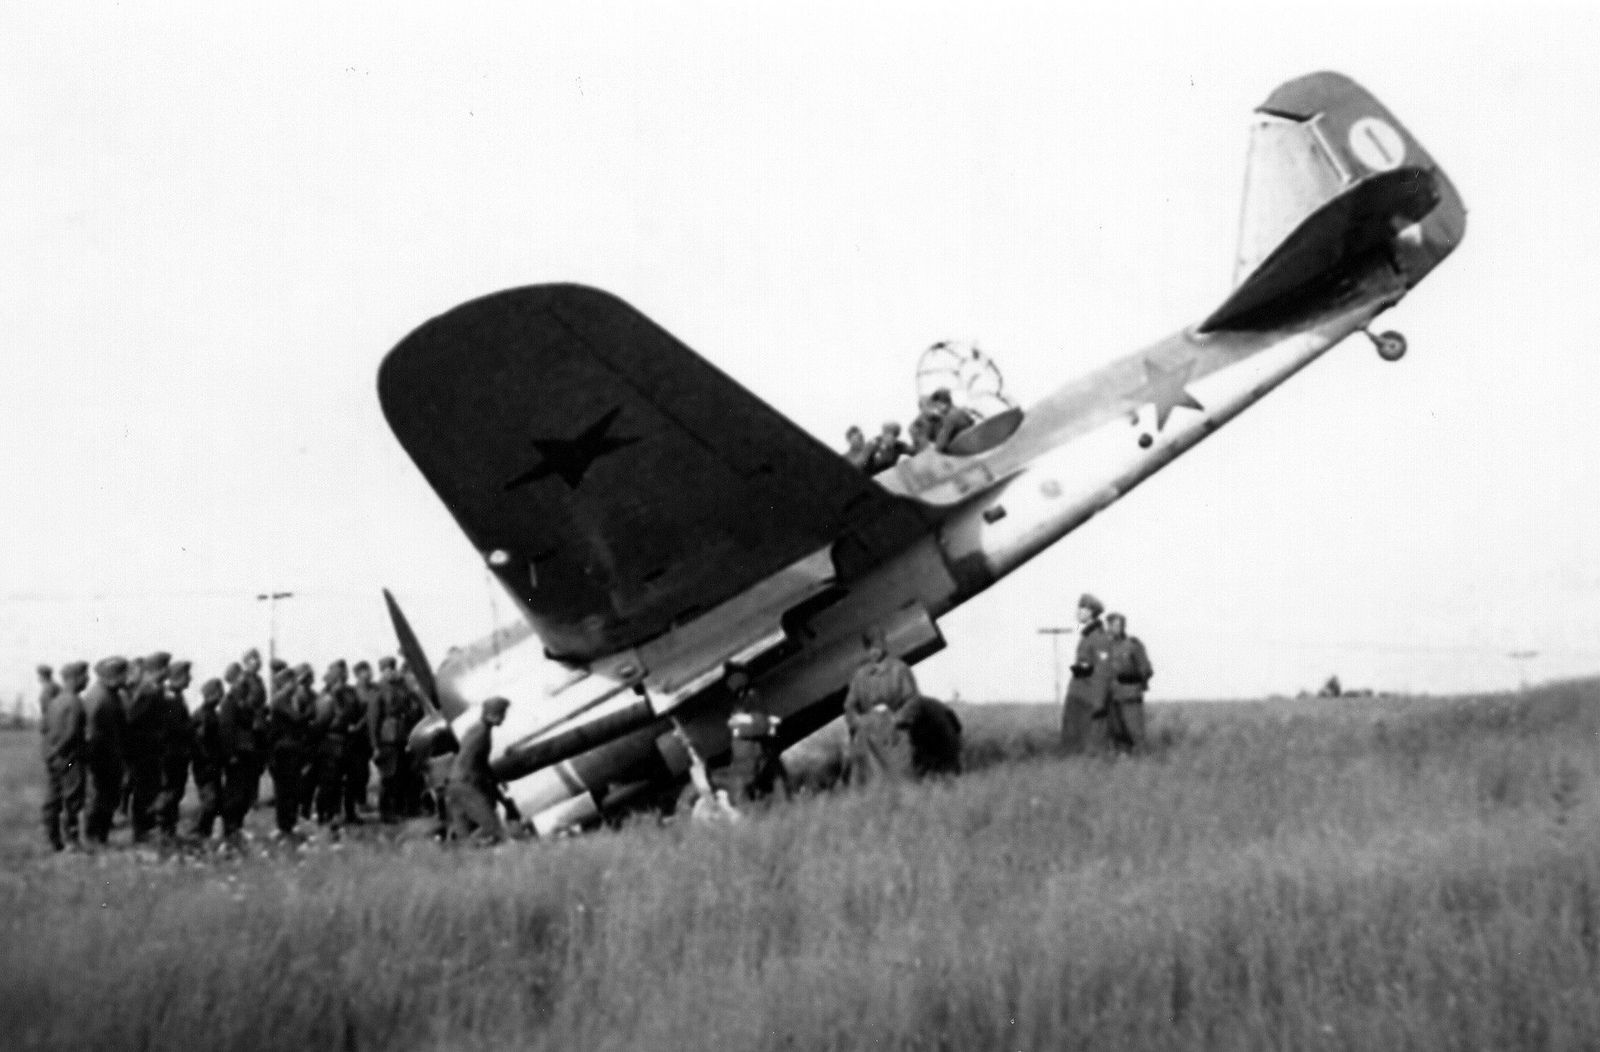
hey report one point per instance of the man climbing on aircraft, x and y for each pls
(472, 791)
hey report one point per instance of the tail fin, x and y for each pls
(1332, 179)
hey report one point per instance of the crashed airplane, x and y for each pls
(659, 526)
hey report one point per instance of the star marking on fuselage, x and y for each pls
(1164, 388)
(570, 458)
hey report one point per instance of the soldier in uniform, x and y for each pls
(329, 725)
(62, 741)
(240, 732)
(885, 451)
(305, 703)
(1088, 693)
(358, 744)
(473, 791)
(387, 726)
(208, 758)
(286, 757)
(176, 744)
(755, 768)
(102, 747)
(145, 704)
(255, 695)
(1130, 677)
(48, 687)
(856, 451)
(878, 690)
(952, 419)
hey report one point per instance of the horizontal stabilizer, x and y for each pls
(1333, 180)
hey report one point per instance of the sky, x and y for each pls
(218, 221)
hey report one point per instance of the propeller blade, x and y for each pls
(411, 648)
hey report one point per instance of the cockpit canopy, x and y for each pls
(975, 384)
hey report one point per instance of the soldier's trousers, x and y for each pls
(241, 782)
(174, 780)
(104, 792)
(1125, 724)
(285, 768)
(879, 749)
(144, 785)
(63, 803)
(390, 763)
(472, 814)
(330, 778)
(209, 789)
(357, 773)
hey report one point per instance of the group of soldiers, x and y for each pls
(939, 420)
(126, 739)
(1104, 703)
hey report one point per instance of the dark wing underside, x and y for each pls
(628, 483)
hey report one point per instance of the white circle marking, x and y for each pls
(1376, 144)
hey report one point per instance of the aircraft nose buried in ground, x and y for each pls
(657, 524)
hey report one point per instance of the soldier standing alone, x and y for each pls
(1089, 691)
(62, 721)
(1130, 678)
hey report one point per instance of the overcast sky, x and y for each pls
(217, 223)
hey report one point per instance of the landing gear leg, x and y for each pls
(1391, 346)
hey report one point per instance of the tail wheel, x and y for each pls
(1391, 346)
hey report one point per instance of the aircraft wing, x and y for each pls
(615, 481)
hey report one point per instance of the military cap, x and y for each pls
(180, 666)
(211, 688)
(111, 667)
(304, 671)
(278, 664)
(1118, 618)
(360, 665)
(496, 704)
(386, 662)
(74, 668)
(158, 661)
(232, 672)
(45, 670)
(251, 653)
(1089, 602)
(892, 427)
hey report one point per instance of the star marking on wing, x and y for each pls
(1164, 388)
(570, 458)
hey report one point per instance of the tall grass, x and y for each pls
(1356, 875)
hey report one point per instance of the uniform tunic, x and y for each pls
(145, 708)
(176, 744)
(1130, 673)
(102, 753)
(878, 744)
(206, 759)
(62, 745)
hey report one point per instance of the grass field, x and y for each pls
(1372, 874)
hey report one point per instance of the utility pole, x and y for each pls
(1055, 632)
(271, 599)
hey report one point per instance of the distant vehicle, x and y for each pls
(659, 526)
